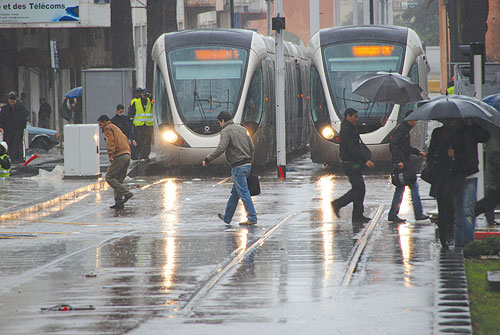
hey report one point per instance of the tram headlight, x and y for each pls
(169, 136)
(328, 132)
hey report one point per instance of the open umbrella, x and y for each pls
(74, 92)
(387, 87)
(493, 100)
(455, 106)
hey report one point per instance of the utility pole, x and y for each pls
(278, 23)
(313, 17)
(231, 10)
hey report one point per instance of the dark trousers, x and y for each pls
(15, 140)
(115, 175)
(446, 218)
(143, 137)
(488, 203)
(356, 194)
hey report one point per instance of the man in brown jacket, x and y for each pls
(119, 157)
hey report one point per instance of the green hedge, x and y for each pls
(489, 246)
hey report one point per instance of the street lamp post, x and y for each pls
(278, 25)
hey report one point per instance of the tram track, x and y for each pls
(359, 248)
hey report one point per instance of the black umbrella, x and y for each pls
(387, 87)
(455, 107)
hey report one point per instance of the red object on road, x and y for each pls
(35, 156)
(481, 235)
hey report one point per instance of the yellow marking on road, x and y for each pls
(38, 232)
(224, 181)
(69, 223)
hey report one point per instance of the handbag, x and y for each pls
(253, 184)
(403, 177)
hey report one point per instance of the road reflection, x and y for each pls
(170, 222)
(405, 232)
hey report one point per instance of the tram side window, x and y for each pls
(253, 105)
(413, 75)
(319, 110)
(161, 106)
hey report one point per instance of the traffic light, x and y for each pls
(475, 48)
(278, 23)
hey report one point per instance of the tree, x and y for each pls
(122, 43)
(162, 18)
(424, 19)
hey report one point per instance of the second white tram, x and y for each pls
(199, 73)
(342, 55)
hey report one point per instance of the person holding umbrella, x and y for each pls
(445, 179)
(468, 136)
(401, 151)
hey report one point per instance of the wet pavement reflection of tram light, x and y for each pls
(170, 222)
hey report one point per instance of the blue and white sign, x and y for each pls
(43, 11)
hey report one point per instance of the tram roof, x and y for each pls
(232, 37)
(393, 34)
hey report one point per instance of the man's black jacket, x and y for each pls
(122, 122)
(350, 143)
(400, 146)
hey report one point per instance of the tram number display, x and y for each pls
(216, 54)
(372, 50)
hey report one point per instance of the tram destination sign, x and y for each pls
(45, 11)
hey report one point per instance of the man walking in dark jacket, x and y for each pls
(13, 118)
(239, 149)
(401, 151)
(354, 155)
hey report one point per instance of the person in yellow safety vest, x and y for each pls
(4, 161)
(451, 86)
(141, 114)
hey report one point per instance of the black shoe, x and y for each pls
(336, 208)
(422, 217)
(222, 218)
(361, 219)
(396, 219)
(117, 206)
(127, 197)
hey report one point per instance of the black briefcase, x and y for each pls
(253, 184)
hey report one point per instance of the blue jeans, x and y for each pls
(398, 197)
(240, 191)
(465, 220)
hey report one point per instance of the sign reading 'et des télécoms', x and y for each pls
(44, 11)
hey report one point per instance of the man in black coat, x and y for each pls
(123, 123)
(13, 118)
(354, 155)
(44, 114)
(401, 151)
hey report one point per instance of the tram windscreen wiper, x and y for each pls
(197, 103)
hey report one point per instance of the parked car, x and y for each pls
(42, 138)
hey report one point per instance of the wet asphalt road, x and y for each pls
(167, 265)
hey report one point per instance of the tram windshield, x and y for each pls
(346, 63)
(206, 81)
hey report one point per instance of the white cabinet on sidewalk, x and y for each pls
(81, 150)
